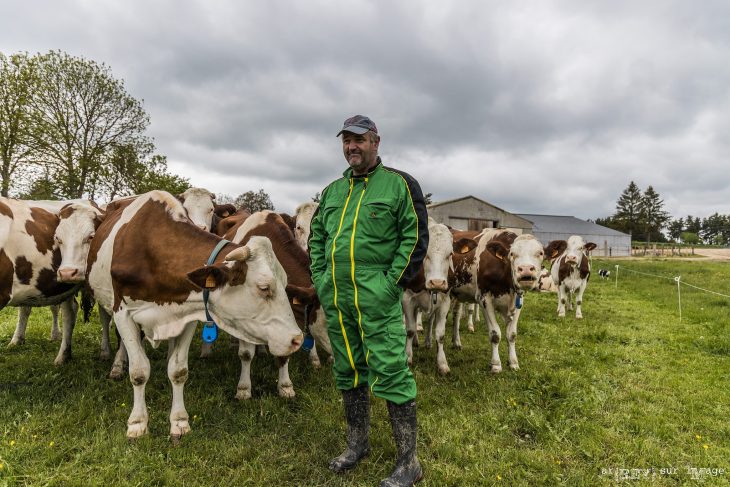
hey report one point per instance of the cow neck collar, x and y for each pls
(348, 172)
(210, 328)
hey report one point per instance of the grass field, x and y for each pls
(629, 387)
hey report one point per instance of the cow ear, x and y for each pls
(497, 249)
(590, 246)
(301, 295)
(555, 248)
(209, 277)
(464, 245)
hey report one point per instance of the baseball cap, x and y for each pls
(359, 124)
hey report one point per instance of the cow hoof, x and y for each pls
(514, 366)
(419, 328)
(243, 394)
(470, 328)
(561, 315)
(287, 391)
(316, 363)
(104, 355)
(55, 336)
(178, 429)
(427, 344)
(578, 317)
(444, 370)
(496, 369)
(15, 342)
(410, 361)
(457, 346)
(117, 373)
(136, 430)
(62, 359)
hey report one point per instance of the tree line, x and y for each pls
(642, 215)
(69, 129)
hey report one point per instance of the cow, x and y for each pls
(29, 260)
(428, 291)
(295, 262)
(156, 285)
(496, 274)
(303, 222)
(571, 270)
(545, 283)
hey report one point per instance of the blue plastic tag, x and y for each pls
(210, 331)
(518, 301)
(308, 343)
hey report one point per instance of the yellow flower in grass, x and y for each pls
(2, 466)
(51, 443)
(12, 443)
(499, 477)
(558, 462)
(705, 446)
(698, 437)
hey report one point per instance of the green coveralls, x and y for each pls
(368, 239)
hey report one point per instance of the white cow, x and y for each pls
(246, 284)
(303, 222)
(570, 271)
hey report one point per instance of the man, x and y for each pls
(368, 238)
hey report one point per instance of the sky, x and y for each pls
(542, 107)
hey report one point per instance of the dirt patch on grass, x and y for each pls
(714, 254)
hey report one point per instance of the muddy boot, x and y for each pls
(407, 469)
(357, 415)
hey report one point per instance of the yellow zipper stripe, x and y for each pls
(334, 283)
(352, 271)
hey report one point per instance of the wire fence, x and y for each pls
(677, 279)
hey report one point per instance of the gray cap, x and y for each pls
(359, 124)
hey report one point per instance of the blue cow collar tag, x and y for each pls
(518, 301)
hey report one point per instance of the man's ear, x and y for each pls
(210, 277)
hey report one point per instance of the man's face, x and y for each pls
(361, 151)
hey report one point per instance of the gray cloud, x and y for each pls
(536, 107)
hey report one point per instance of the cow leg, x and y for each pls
(246, 352)
(19, 335)
(419, 320)
(206, 349)
(285, 385)
(120, 359)
(495, 335)
(69, 308)
(438, 317)
(139, 372)
(579, 299)
(55, 332)
(470, 317)
(177, 372)
(410, 316)
(456, 336)
(562, 296)
(511, 321)
(314, 358)
(571, 296)
(105, 350)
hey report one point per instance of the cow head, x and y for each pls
(526, 255)
(303, 222)
(248, 296)
(77, 226)
(576, 249)
(438, 258)
(199, 206)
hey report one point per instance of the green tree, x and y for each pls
(16, 81)
(628, 209)
(651, 214)
(690, 238)
(675, 229)
(80, 113)
(254, 202)
(714, 229)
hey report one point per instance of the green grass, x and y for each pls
(629, 386)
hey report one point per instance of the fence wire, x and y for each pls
(677, 279)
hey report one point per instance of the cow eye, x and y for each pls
(59, 241)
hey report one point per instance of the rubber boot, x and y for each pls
(357, 416)
(407, 469)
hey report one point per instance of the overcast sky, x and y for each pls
(534, 106)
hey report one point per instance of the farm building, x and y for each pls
(553, 227)
(470, 213)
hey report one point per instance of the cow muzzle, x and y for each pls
(67, 274)
(440, 285)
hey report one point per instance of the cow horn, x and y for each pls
(241, 253)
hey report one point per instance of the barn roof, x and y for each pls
(448, 202)
(568, 225)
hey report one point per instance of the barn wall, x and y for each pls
(458, 213)
(608, 245)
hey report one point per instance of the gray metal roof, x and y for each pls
(568, 225)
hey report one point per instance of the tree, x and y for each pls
(254, 202)
(690, 238)
(652, 214)
(675, 229)
(715, 229)
(427, 198)
(16, 80)
(81, 113)
(628, 209)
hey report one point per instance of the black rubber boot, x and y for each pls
(407, 469)
(357, 415)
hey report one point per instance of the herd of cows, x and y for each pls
(157, 264)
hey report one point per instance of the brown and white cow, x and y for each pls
(428, 291)
(570, 271)
(29, 259)
(295, 262)
(147, 265)
(303, 222)
(496, 274)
